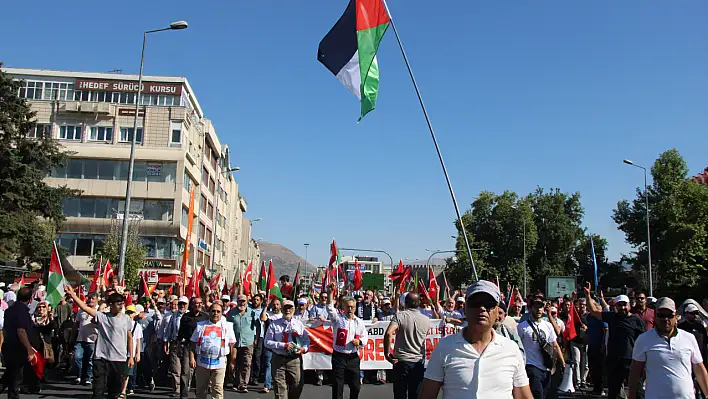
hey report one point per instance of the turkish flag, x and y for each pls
(246, 283)
(357, 276)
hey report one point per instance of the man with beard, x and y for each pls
(623, 329)
(211, 342)
(693, 324)
(246, 329)
(668, 355)
(257, 306)
(477, 363)
(349, 334)
(288, 340)
(16, 349)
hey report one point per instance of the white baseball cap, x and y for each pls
(139, 309)
(183, 299)
(622, 298)
(690, 308)
(225, 297)
(288, 302)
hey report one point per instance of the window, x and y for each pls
(207, 260)
(205, 177)
(32, 90)
(185, 217)
(74, 169)
(212, 186)
(176, 137)
(101, 133)
(160, 248)
(202, 230)
(81, 244)
(71, 206)
(40, 130)
(203, 203)
(158, 210)
(200, 258)
(210, 210)
(208, 237)
(81, 95)
(126, 135)
(188, 182)
(107, 169)
(70, 132)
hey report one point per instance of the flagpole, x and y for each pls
(435, 140)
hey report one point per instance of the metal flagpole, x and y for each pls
(435, 140)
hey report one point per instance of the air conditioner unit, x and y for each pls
(103, 108)
(71, 106)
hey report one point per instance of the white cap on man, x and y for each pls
(183, 299)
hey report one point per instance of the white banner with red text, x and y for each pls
(372, 354)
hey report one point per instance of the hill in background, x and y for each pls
(285, 261)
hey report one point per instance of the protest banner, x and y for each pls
(372, 354)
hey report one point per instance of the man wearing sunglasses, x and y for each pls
(693, 324)
(211, 342)
(114, 346)
(668, 355)
(640, 309)
(477, 362)
(246, 328)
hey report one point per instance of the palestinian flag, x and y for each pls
(264, 277)
(56, 281)
(349, 49)
(272, 288)
(296, 283)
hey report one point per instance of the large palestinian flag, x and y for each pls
(349, 49)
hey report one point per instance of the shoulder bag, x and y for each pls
(547, 349)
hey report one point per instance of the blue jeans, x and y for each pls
(539, 381)
(83, 351)
(267, 356)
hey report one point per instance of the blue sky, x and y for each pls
(521, 94)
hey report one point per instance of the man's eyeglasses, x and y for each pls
(487, 303)
(242, 300)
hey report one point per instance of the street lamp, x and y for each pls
(306, 245)
(646, 206)
(177, 25)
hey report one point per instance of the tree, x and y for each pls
(583, 258)
(134, 253)
(496, 224)
(678, 219)
(30, 210)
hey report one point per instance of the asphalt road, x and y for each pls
(70, 391)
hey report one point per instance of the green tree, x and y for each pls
(678, 218)
(30, 210)
(134, 254)
(496, 225)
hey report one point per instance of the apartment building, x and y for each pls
(92, 115)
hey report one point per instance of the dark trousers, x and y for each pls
(407, 377)
(256, 361)
(144, 369)
(617, 375)
(185, 378)
(107, 376)
(596, 360)
(17, 371)
(539, 381)
(345, 369)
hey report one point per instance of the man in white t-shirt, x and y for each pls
(669, 355)
(477, 362)
(534, 333)
(212, 341)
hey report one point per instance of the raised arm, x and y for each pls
(79, 302)
(593, 307)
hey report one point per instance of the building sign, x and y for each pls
(149, 275)
(130, 112)
(154, 169)
(171, 89)
(160, 264)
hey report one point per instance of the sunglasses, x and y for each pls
(665, 315)
(487, 303)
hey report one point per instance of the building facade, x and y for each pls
(92, 116)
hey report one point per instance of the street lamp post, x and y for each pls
(646, 206)
(178, 25)
(306, 245)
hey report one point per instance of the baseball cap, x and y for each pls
(690, 308)
(288, 302)
(460, 299)
(183, 299)
(2, 284)
(173, 297)
(225, 297)
(302, 301)
(386, 301)
(484, 286)
(130, 308)
(139, 309)
(666, 303)
(622, 298)
(41, 288)
(161, 300)
(241, 297)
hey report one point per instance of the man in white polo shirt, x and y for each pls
(668, 354)
(477, 362)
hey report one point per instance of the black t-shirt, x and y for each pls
(17, 316)
(623, 331)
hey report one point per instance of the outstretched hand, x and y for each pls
(586, 288)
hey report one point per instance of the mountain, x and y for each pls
(285, 261)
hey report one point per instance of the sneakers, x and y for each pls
(131, 392)
(152, 386)
(77, 381)
(87, 382)
(319, 383)
(242, 390)
(265, 390)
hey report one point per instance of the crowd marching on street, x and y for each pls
(498, 344)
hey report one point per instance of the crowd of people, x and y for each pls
(498, 344)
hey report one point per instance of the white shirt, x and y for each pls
(669, 363)
(88, 329)
(137, 330)
(466, 374)
(530, 341)
(345, 330)
(281, 332)
(213, 343)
